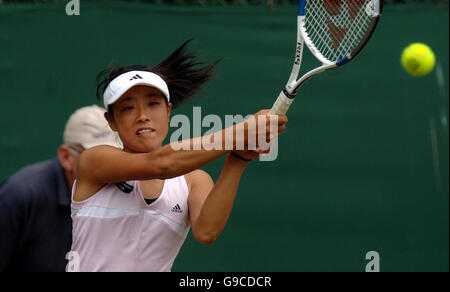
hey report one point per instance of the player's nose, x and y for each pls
(142, 116)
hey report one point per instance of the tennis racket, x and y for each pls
(334, 31)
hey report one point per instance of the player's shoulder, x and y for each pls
(198, 173)
(102, 152)
(197, 176)
(100, 149)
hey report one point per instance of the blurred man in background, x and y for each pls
(35, 222)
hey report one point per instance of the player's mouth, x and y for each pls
(144, 131)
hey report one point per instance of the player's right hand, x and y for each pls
(259, 132)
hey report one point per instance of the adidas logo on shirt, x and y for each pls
(177, 209)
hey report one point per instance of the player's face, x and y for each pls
(141, 117)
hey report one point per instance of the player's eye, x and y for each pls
(127, 108)
(153, 103)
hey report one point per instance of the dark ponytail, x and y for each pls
(182, 71)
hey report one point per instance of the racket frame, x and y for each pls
(289, 92)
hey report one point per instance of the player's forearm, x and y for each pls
(217, 206)
(175, 159)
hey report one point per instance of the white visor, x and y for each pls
(122, 83)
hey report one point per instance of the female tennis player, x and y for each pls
(132, 208)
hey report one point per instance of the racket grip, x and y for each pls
(281, 105)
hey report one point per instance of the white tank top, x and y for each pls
(116, 230)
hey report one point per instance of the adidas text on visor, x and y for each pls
(122, 83)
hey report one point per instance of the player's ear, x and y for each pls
(111, 122)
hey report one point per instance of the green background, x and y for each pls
(362, 166)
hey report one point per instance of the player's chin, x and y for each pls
(151, 146)
(141, 147)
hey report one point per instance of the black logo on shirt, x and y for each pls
(177, 209)
(124, 187)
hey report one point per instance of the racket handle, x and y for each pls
(281, 105)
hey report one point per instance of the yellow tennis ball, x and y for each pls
(418, 59)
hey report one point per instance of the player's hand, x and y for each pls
(248, 154)
(259, 141)
(274, 127)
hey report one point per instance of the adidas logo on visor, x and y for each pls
(136, 77)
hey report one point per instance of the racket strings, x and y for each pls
(336, 27)
(318, 37)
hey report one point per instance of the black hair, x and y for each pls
(182, 71)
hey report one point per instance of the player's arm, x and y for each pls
(106, 164)
(210, 204)
(103, 164)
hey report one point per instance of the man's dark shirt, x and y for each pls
(35, 222)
